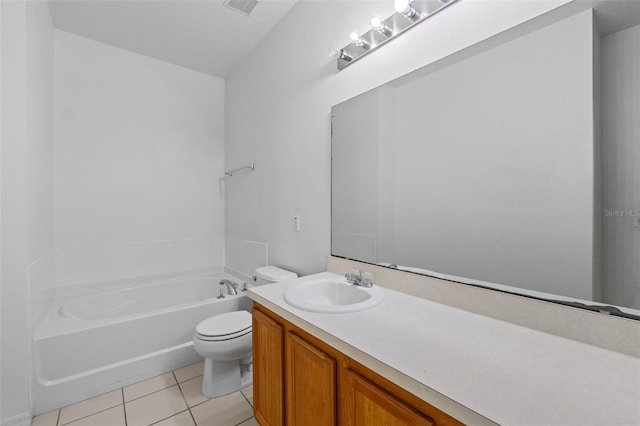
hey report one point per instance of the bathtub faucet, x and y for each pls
(231, 286)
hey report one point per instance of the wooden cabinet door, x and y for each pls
(311, 384)
(268, 372)
(364, 403)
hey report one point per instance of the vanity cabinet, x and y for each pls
(300, 380)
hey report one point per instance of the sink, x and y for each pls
(332, 295)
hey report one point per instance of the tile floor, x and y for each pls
(172, 399)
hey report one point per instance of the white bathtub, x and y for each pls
(91, 344)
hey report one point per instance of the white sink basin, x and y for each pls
(332, 295)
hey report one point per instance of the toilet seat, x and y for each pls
(227, 326)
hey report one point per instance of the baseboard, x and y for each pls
(23, 419)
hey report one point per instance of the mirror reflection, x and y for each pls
(514, 168)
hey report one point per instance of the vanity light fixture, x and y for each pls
(408, 14)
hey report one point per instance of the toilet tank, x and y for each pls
(271, 274)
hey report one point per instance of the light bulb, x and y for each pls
(358, 41)
(341, 54)
(400, 5)
(403, 6)
(380, 26)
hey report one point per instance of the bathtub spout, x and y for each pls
(231, 286)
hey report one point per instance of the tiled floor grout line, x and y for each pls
(238, 424)
(245, 396)
(150, 393)
(185, 399)
(89, 415)
(162, 420)
(192, 417)
(124, 407)
(249, 402)
(199, 403)
(58, 419)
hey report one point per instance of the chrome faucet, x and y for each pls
(361, 279)
(231, 286)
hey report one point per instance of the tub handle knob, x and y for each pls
(221, 295)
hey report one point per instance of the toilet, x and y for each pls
(224, 341)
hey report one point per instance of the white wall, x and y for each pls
(495, 153)
(621, 174)
(139, 148)
(279, 102)
(26, 192)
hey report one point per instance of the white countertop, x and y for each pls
(478, 369)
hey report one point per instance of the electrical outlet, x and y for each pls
(636, 221)
(296, 223)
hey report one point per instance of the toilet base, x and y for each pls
(224, 377)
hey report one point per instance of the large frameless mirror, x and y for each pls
(513, 169)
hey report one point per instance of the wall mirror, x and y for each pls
(514, 168)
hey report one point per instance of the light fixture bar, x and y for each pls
(408, 14)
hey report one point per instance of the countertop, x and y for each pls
(477, 369)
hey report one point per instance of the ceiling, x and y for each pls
(201, 35)
(616, 15)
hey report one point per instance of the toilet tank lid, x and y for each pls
(273, 274)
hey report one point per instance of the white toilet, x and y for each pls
(224, 341)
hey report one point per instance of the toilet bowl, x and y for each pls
(224, 341)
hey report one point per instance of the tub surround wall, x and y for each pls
(242, 257)
(88, 264)
(137, 144)
(27, 191)
(138, 149)
(42, 285)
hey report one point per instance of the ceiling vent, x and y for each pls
(242, 6)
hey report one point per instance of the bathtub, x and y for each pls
(90, 344)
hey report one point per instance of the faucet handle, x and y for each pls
(367, 279)
(221, 294)
(354, 275)
(244, 286)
